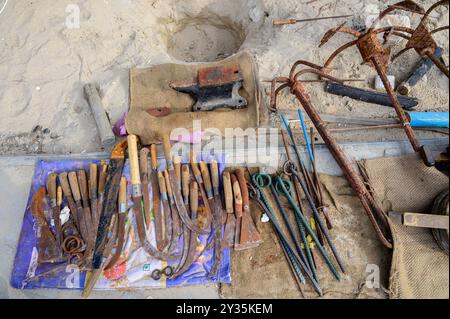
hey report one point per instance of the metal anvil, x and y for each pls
(215, 87)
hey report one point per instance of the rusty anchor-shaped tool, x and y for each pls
(214, 88)
(374, 54)
(230, 222)
(419, 39)
(377, 216)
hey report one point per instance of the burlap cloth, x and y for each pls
(420, 269)
(149, 89)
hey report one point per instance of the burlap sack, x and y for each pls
(420, 269)
(149, 89)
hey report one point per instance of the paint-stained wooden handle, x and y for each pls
(177, 166)
(206, 179)
(123, 192)
(215, 177)
(185, 181)
(102, 181)
(51, 186)
(244, 188)
(82, 183)
(59, 196)
(167, 151)
(237, 196)
(64, 181)
(194, 165)
(134, 160)
(168, 185)
(144, 160)
(73, 181)
(162, 184)
(228, 192)
(154, 155)
(193, 197)
(93, 168)
(283, 21)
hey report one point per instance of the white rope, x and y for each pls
(4, 6)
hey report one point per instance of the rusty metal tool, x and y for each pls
(185, 183)
(49, 249)
(193, 237)
(109, 203)
(84, 192)
(137, 201)
(216, 212)
(214, 88)
(64, 181)
(376, 215)
(93, 197)
(176, 223)
(249, 235)
(230, 222)
(123, 210)
(283, 189)
(167, 218)
(374, 54)
(73, 181)
(290, 169)
(198, 177)
(51, 190)
(238, 204)
(278, 22)
(143, 161)
(160, 235)
(101, 189)
(256, 193)
(176, 189)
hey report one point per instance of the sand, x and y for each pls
(44, 61)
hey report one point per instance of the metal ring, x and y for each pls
(262, 180)
(156, 274)
(168, 271)
(289, 168)
(287, 185)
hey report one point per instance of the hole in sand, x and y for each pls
(203, 39)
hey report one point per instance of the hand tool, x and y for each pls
(51, 190)
(193, 237)
(49, 250)
(64, 181)
(177, 166)
(407, 103)
(185, 183)
(375, 55)
(123, 210)
(176, 224)
(162, 240)
(283, 189)
(296, 263)
(376, 215)
(216, 213)
(176, 189)
(230, 224)
(145, 185)
(137, 198)
(441, 208)
(84, 192)
(167, 213)
(109, 238)
(294, 21)
(249, 237)
(93, 197)
(237, 199)
(109, 202)
(420, 70)
(215, 87)
(73, 181)
(101, 189)
(198, 177)
(306, 258)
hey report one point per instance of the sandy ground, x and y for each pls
(45, 59)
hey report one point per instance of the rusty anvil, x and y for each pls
(215, 87)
